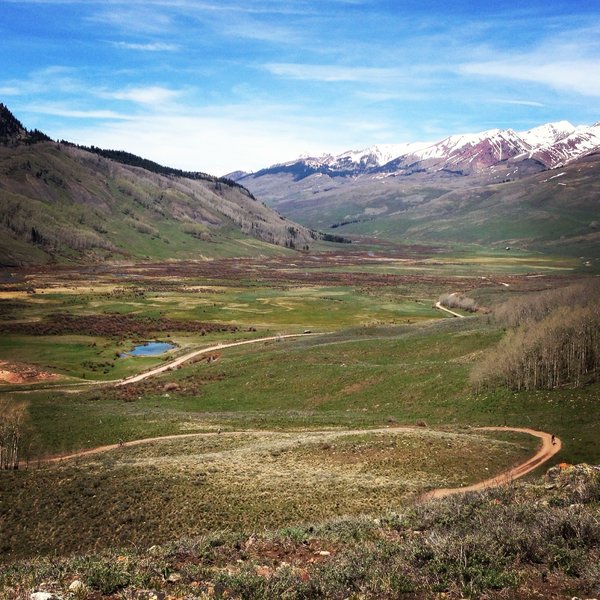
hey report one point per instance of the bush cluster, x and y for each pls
(117, 325)
(517, 541)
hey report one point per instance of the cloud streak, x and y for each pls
(572, 76)
(151, 95)
(150, 47)
(334, 73)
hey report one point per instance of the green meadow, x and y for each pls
(286, 432)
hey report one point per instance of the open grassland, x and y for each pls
(226, 481)
(369, 377)
(76, 322)
(310, 428)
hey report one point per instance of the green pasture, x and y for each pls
(365, 377)
(268, 310)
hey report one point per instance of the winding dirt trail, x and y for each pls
(549, 448)
(454, 314)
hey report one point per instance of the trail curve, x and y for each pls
(550, 447)
(454, 314)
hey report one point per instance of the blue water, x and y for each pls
(150, 349)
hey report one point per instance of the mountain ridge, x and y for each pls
(60, 202)
(552, 145)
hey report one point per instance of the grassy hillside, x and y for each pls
(521, 542)
(58, 202)
(555, 211)
(312, 451)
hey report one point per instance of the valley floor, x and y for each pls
(315, 400)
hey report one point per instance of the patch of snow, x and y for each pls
(549, 133)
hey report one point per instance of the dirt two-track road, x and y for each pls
(550, 447)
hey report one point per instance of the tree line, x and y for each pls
(127, 158)
(552, 340)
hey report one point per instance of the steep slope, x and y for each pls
(59, 202)
(579, 142)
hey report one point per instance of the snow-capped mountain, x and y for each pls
(581, 141)
(374, 156)
(487, 152)
(547, 134)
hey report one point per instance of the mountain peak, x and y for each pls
(548, 134)
(13, 132)
(11, 129)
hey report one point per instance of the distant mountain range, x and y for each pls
(538, 189)
(494, 187)
(490, 152)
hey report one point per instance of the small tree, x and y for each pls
(12, 423)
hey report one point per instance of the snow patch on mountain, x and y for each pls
(551, 145)
(547, 134)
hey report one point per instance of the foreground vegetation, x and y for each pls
(522, 541)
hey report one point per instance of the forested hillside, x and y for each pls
(59, 202)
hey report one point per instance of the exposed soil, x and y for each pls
(550, 446)
(18, 373)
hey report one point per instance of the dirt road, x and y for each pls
(545, 453)
(173, 364)
(454, 314)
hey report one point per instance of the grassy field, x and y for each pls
(492, 545)
(370, 377)
(251, 482)
(294, 415)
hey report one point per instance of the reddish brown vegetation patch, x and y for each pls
(116, 325)
(190, 385)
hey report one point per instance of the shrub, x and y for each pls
(458, 301)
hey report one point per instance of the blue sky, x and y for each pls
(219, 85)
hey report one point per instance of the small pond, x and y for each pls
(150, 349)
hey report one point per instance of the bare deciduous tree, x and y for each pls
(556, 342)
(12, 424)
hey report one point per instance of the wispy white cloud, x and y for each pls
(531, 103)
(133, 17)
(564, 75)
(10, 90)
(153, 95)
(60, 110)
(565, 60)
(333, 73)
(149, 47)
(58, 78)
